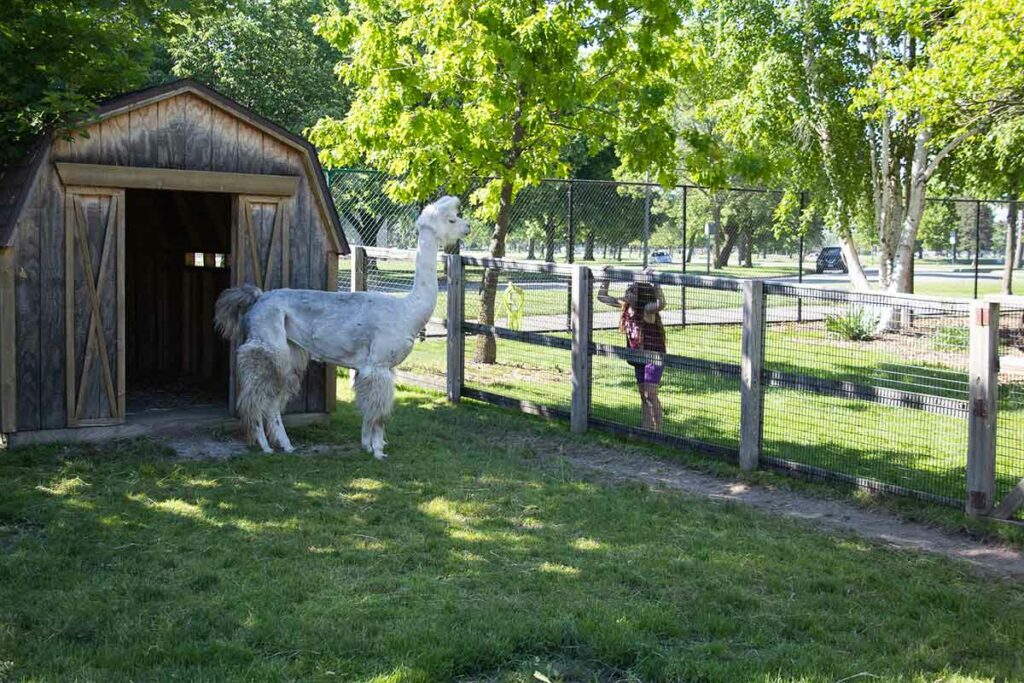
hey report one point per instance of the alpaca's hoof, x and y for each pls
(380, 455)
(288, 449)
(368, 447)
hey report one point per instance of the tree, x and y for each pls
(446, 90)
(939, 76)
(764, 101)
(266, 56)
(60, 58)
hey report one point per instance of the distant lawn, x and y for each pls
(463, 558)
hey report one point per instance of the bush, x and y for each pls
(855, 324)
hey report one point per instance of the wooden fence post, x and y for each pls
(751, 388)
(456, 340)
(981, 418)
(8, 376)
(582, 320)
(358, 269)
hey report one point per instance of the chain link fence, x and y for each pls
(962, 244)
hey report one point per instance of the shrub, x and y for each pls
(855, 324)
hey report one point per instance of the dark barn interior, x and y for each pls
(177, 261)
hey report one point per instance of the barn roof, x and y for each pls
(16, 179)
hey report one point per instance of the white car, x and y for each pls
(661, 256)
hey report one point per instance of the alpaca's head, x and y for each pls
(442, 218)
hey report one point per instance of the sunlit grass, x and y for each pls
(465, 557)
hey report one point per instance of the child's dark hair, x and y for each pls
(646, 293)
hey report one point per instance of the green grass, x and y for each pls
(464, 558)
(919, 450)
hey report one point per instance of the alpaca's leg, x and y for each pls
(366, 439)
(377, 439)
(263, 376)
(375, 393)
(280, 435)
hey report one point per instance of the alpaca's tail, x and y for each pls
(232, 305)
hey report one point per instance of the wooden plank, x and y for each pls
(981, 420)
(119, 311)
(236, 280)
(86, 145)
(144, 135)
(456, 313)
(331, 371)
(171, 140)
(115, 138)
(27, 290)
(751, 388)
(198, 146)
(358, 264)
(300, 276)
(276, 157)
(223, 141)
(582, 323)
(318, 252)
(51, 306)
(100, 175)
(8, 344)
(70, 358)
(1011, 502)
(250, 149)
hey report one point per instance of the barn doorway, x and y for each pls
(177, 261)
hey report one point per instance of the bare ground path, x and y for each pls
(824, 513)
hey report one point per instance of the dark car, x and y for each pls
(831, 258)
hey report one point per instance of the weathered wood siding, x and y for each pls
(184, 131)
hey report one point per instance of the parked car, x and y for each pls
(661, 256)
(830, 258)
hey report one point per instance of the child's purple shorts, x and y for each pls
(648, 373)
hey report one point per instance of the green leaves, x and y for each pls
(446, 91)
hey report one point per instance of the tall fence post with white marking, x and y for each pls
(981, 416)
(751, 387)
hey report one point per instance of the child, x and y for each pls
(641, 323)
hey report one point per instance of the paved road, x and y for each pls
(964, 274)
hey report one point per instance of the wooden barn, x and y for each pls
(114, 246)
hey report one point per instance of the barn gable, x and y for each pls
(179, 125)
(114, 245)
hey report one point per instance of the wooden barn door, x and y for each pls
(261, 246)
(94, 305)
(261, 257)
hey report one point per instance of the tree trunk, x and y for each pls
(722, 258)
(748, 248)
(549, 239)
(618, 253)
(588, 249)
(532, 253)
(486, 346)
(1011, 246)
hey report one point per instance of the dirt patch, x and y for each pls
(212, 446)
(622, 465)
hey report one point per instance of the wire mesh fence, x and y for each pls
(517, 322)
(663, 377)
(1010, 415)
(873, 391)
(859, 388)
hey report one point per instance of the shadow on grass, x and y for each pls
(464, 557)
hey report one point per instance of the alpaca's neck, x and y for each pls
(424, 287)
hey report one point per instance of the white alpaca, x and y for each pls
(369, 332)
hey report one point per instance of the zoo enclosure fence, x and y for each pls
(759, 373)
(566, 221)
